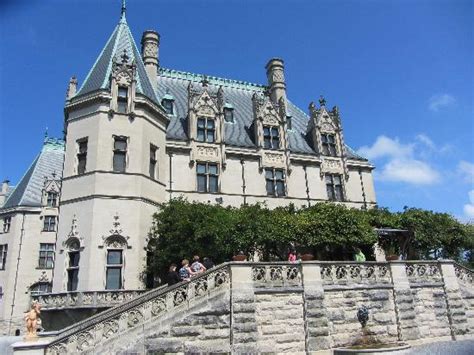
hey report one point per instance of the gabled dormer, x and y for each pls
(51, 191)
(123, 85)
(268, 123)
(325, 130)
(205, 115)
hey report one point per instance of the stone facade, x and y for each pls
(278, 307)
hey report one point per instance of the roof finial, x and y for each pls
(46, 134)
(123, 10)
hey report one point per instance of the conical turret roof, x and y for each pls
(99, 76)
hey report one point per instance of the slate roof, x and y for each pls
(239, 94)
(49, 161)
(99, 76)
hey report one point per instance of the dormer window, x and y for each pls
(206, 130)
(52, 200)
(122, 99)
(168, 106)
(328, 142)
(229, 114)
(271, 137)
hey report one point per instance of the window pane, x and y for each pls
(280, 188)
(119, 162)
(266, 131)
(267, 143)
(200, 135)
(275, 132)
(213, 184)
(121, 106)
(270, 187)
(268, 173)
(201, 168)
(336, 179)
(338, 191)
(328, 179)
(210, 124)
(276, 143)
(201, 123)
(210, 136)
(201, 183)
(324, 138)
(229, 115)
(74, 258)
(72, 279)
(114, 257)
(330, 192)
(83, 147)
(114, 278)
(332, 150)
(289, 123)
(152, 169)
(122, 92)
(331, 138)
(81, 165)
(120, 144)
(168, 106)
(212, 169)
(279, 174)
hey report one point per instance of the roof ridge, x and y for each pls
(180, 74)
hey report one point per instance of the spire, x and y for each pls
(123, 10)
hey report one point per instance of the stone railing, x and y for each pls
(87, 334)
(276, 274)
(86, 299)
(420, 272)
(463, 274)
(343, 273)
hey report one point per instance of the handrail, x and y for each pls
(462, 266)
(112, 312)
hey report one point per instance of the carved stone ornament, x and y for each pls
(331, 166)
(327, 127)
(273, 159)
(73, 233)
(205, 105)
(207, 152)
(270, 120)
(115, 238)
(43, 277)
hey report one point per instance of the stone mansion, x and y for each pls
(137, 135)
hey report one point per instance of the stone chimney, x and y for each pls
(72, 88)
(276, 79)
(3, 193)
(150, 49)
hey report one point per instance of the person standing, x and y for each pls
(197, 267)
(207, 262)
(359, 255)
(173, 276)
(292, 256)
(185, 272)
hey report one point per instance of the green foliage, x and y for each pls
(182, 229)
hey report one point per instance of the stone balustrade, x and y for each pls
(246, 307)
(86, 299)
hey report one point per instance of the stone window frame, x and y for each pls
(122, 99)
(274, 180)
(81, 155)
(205, 129)
(228, 114)
(331, 187)
(40, 284)
(52, 198)
(153, 163)
(7, 222)
(49, 223)
(3, 256)
(207, 176)
(73, 246)
(46, 253)
(117, 151)
(116, 242)
(329, 144)
(270, 137)
(168, 105)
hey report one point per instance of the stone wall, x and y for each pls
(282, 307)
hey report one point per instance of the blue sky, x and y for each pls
(400, 71)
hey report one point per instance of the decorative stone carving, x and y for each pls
(32, 320)
(116, 227)
(273, 159)
(207, 152)
(282, 275)
(423, 272)
(355, 273)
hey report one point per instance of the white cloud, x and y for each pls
(401, 161)
(469, 208)
(411, 171)
(386, 147)
(467, 170)
(437, 102)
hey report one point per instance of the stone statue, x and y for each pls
(32, 320)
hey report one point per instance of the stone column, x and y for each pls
(404, 303)
(455, 303)
(244, 332)
(316, 319)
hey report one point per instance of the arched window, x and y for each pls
(74, 256)
(40, 288)
(115, 262)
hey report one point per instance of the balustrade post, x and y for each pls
(316, 319)
(243, 321)
(456, 309)
(404, 302)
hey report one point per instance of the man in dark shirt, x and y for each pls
(208, 264)
(173, 276)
